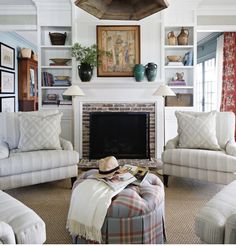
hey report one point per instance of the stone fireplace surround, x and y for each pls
(117, 107)
(118, 97)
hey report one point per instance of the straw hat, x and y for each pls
(108, 167)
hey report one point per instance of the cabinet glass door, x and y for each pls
(32, 82)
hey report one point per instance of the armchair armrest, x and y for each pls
(231, 148)
(172, 143)
(65, 144)
(4, 150)
(6, 234)
(230, 229)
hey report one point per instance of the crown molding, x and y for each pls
(216, 10)
(45, 5)
(18, 10)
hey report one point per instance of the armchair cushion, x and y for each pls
(197, 131)
(199, 159)
(6, 233)
(231, 148)
(38, 133)
(4, 150)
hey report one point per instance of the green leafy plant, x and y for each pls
(90, 55)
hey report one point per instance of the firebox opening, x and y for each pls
(122, 134)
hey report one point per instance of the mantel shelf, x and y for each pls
(120, 85)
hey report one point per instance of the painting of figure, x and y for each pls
(123, 43)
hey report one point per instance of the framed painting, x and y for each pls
(7, 56)
(123, 43)
(7, 104)
(7, 82)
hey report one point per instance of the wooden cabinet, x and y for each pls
(28, 84)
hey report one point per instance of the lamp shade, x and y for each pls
(121, 9)
(73, 90)
(164, 90)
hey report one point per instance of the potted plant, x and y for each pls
(88, 58)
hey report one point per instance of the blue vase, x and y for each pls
(139, 72)
(151, 71)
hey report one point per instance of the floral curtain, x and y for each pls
(228, 102)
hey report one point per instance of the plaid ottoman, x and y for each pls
(135, 216)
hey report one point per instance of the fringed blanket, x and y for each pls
(90, 201)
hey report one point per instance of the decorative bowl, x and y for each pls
(62, 77)
(174, 58)
(60, 61)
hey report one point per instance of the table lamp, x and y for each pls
(75, 91)
(163, 91)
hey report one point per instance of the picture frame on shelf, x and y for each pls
(7, 82)
(7, 56)
(7, 104)
(123, 42)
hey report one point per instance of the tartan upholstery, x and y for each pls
(135, 216)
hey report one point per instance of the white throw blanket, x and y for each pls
(88, 208)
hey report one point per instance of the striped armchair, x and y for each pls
(32, 167)
(201, 164)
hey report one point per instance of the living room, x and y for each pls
(151, 63)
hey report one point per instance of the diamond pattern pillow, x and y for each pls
(38, 133)
(197, 130)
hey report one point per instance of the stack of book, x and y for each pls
(175, 63)
(177, 83)
(47, 79)
(58, 82)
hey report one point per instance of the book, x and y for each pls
(177, 82)
(175, 64)
(117, 181)
(140, 173)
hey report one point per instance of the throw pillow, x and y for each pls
(4, 150)
(197, 130)
(37, 133)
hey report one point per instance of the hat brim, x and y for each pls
(121, 170)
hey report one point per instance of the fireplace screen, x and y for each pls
(122, 134)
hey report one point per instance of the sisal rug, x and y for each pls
(184, 198)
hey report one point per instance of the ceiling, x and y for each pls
(16, 2)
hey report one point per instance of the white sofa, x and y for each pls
(32, 167)
(18, 223)
(202, 164)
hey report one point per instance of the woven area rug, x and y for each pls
(184, 198)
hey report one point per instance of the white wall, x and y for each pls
(150, 38)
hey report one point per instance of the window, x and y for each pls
(206, 99)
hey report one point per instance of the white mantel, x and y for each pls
(131, 93)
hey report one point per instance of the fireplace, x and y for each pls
(122, 134)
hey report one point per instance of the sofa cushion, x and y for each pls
(197, 130)
(39, 132)
(200, 159)
(23, 162)
(9, 122)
